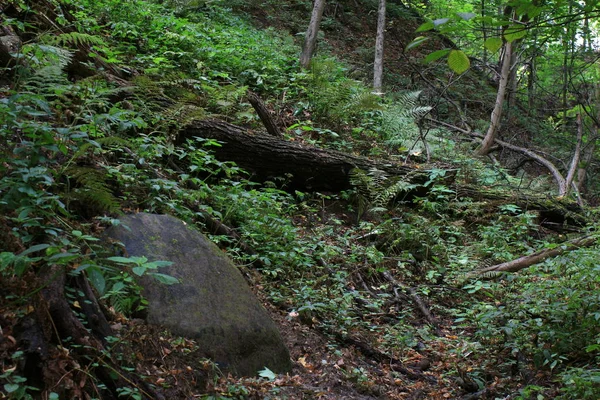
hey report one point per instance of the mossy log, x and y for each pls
(313, 169)
(554, 213)
(309, 168)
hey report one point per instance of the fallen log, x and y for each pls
(539, 256)
(556, 214)
(311, 168)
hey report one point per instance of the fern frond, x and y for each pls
(376, 188)
(42, 55)
(73, 38)
(99, 143)
(91, 188)
(386, 194)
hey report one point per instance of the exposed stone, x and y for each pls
(212, 303)
(9, 44)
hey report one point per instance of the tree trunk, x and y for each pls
(310, 40)
(378, 65)
(311, 168)
(575, 159)
(490, 136)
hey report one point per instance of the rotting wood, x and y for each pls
(555, 214)
(308, 168)
(264, 114)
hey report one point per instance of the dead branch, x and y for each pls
(308, 168)
(415, 298)
(377, 355)
(539, 256)
(264, 114)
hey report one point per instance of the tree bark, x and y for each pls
(490, 136)
(311, 168)
(555, 214)
(540, 256)
(575, 159)
(310, 40)
(264, 114)
(378, 64)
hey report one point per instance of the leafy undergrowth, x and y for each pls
(370, 287)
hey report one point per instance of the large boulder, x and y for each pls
(212, 303)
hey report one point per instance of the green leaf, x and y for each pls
(139, 271)
(267, 373)
(21, 264)
(6, 259)
(440, 21)
(466, 16)
(436, 55)
(515, 32)
(493, 44)
(427, 26)
(158, 264)
(419, 40)
(458, 61)
(63, 258)
(35, 248)
(11, 387)
(164, 279)
(128, 260)
(97, 279)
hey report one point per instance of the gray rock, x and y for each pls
(9, 44)
(213, 303)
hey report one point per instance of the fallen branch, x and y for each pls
(264, 114)
(415, 298)
(377, 355)
(562, 182)
(539, 256)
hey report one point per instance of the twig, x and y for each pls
(415, 298)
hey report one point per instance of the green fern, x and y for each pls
(408, 106)
(73, 38)
(399, 120)
(375, 189)
(336, 97)
(90, 189)
(43, 55)
(99, 143)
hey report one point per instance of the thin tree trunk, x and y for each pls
(310, 40)
(588, 155)
(378, 65)
(575, 159)
(531, 81)
(490, 136)
(512, 77)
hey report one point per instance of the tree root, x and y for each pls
(53, 328)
